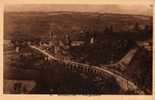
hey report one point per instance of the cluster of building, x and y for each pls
(87, 39)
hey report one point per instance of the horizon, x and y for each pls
(145, 10)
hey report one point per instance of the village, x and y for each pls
(70, 49)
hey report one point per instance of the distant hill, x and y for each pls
(31, 25)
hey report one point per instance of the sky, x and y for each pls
(122, 9)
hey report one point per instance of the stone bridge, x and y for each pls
(125, 84)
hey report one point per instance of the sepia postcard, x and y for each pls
(78, 49)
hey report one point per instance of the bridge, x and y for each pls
(125, 84)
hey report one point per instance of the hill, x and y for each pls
(30, 25)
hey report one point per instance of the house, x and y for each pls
(77, 43)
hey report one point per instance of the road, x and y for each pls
(125, 84)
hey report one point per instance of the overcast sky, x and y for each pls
(122, 9)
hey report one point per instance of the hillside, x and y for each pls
(30, 25)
